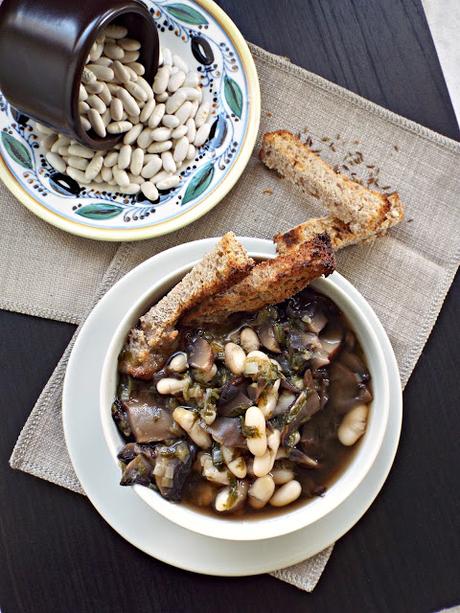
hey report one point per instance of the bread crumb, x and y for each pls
(268, 191)
(268, 114)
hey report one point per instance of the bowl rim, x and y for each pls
(287, 521)
(196, 211)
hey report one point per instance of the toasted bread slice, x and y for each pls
(356, 212)
(152, 341)
(269, 282)
(339, 231)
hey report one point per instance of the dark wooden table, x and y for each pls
(58, 555)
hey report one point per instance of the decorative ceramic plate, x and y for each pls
(126, 512)
(201, 33)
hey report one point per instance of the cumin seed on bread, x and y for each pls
(356, 212)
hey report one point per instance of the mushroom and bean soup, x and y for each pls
(250, 415)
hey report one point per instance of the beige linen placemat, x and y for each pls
(405, 276)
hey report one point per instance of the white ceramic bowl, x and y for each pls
(285, 521)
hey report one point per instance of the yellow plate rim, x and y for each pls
(192, 214)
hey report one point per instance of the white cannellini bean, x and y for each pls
(179, 362)
(102, 73)
(179, 132)
(168, 162)
(254, 419)
(85, 124)
(147, 110)
(64, 151)
(167, 56)
(114, 52)
(136, 179)
(160, 83)
(130, 56)
(83, 107)
(111, 159)
(286, 494)
(151, 169)
(105, 94)
(181, 150)
(121, 177)
(106, 174)
(121, 72)
(136, 91)
(211, 472)
(124, 157)
(202, 114)
(81, 151)
(115, 31)
(132, 135)
(353, 425)
(118, 127)
(161, 134)
(87, 76)
(191, 129)
(282, 475)
(202, 135)
(146, 87)
(170, 121)
(238, 467)
(106, 118)
(184, 111)
(76, 174)
(62, 141)
(235, 358)
(192, 79)
(191, 424)
(96, 103)
(137, 68)
(94, 167)
(191, 152)
(94, 88)
(175, 101)
(96, 51)
(49, 141)
(261, 491)
(133, 76)
(129, 44)
(116, 109)
(97, 123)
(157, 115)
(249, 340)
(262, 464)
(269, 399)
(83, 94)
(104, 61)
(168, 385)
(176, 80)
(129, 103)
(160, 147)
(145, 138)
(56, 161)
(137, 161)
(149, 190)
(162, 97)
(191, 93)
(168, 183)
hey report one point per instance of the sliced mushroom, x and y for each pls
(150, 423)
(172, 467)
(301, 458)
(227, 431)
(233, 400)
(200, 354)
(347, 388)
(268, 339)
(139, 471)
(285, 401)
(120, 417)
(306, 405)
(131, 450)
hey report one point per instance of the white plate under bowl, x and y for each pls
(135, 520)
(206, 38)
(285, 520)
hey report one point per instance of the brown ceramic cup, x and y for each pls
(43, 48)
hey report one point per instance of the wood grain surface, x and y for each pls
(56, 552)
